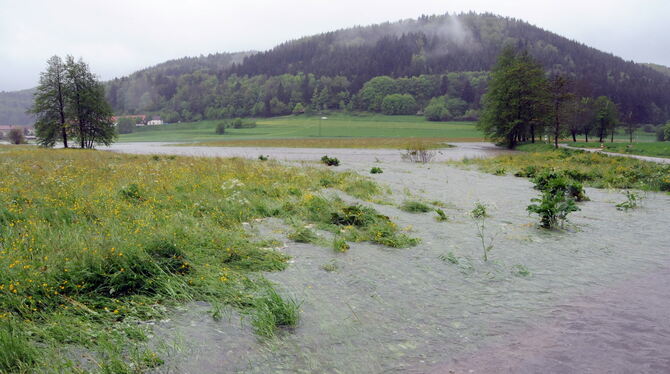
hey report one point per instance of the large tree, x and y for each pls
(88, 109)
(515, 105)
(605, 117)
(70, 101)
(559, 96)
(49, 105)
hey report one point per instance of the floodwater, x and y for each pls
(595, 299)
(462, 150)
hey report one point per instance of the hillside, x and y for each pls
(13, 107)
(660, 68)
(444, 56)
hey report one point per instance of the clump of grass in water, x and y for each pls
(376, 170)
(441, 215)
(340, 245)
(330, 267)
(449, 257)
(415, 207)
(520, 271)
(272, 312)
(364, 223)
(303, 235)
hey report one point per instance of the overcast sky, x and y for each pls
(117, 37)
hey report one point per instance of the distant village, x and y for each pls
(29, 131)
(140, 120)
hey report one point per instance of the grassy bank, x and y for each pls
(94, 243)
(652, 149)
(591, 169)
(308, 127)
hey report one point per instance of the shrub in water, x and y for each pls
(631, 201)
(553, 208)
(330, 161)
(376, 170)
(264, 158)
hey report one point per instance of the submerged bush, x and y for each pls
(376, 170)
(330, 161)
(553, 208)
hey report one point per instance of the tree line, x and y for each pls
(523, 104)
(69, 103)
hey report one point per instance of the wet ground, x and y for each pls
(591, 298)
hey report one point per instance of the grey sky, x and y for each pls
(120, 36)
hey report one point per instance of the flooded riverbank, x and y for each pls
(438, 307)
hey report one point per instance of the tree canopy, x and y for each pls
(70, 102)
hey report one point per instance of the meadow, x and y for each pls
(94, 243)
(337, 128)
(652, 149)
(591, 169)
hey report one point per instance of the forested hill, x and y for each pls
(465, 42)
(434, 58)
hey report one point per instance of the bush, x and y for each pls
(556, 182)
(399, 104)
(15, 136)
(239, 123)
(221, 128)
(264, 158)
(553, 208)
(418, 152)
(558, 197)
(330, 161)
(376, 170)
(436, 111)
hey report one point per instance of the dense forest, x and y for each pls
(400, 67)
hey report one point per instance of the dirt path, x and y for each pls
(658, 160)
(592, 298)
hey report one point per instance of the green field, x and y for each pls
(295, 127)
(653, 149)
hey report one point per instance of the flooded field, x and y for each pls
(590, 298)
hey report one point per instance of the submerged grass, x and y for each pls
(93, 242)
(591, 169)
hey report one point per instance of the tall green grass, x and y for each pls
(92, 242)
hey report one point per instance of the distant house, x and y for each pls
(140, 119)
(155, 121)
(28, 131)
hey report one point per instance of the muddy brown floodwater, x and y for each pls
(593, 298)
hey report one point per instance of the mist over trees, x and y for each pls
(69, 102)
